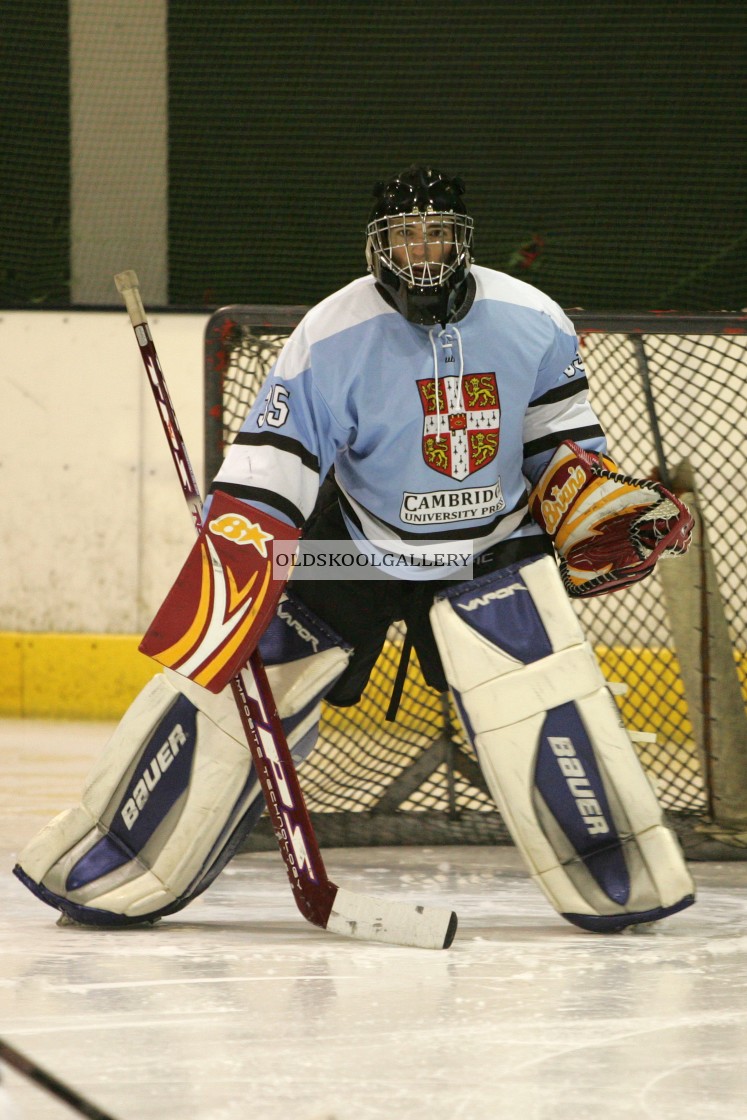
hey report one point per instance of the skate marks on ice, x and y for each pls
(237, 1007)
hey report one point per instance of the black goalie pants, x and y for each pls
(362, 611)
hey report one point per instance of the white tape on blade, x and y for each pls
(395, 923)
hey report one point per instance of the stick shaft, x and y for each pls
(34, 1072)
(312, 889)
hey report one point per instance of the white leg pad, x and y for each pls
(174, 793)
(554, 752)
(168, 786)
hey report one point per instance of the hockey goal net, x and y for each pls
(670, 391)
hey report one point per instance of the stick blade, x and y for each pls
(126, 280)
(393, 923)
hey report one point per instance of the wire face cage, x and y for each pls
(422, 249)
(669, 390)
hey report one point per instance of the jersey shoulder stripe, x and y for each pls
(561, 392)
(553, 440)
(282, 443)
(267, 497)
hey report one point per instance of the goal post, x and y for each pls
(670, 393)
(709, 670)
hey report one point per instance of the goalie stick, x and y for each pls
(23, 1064)
(319, 899)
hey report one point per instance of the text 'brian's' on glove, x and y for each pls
(608, 529)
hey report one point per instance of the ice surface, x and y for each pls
(237, 1008)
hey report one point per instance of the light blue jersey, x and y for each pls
(434, 434)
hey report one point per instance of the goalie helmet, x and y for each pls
(419, 243)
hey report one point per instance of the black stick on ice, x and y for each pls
(29, 1068)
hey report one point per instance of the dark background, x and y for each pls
(603, 144)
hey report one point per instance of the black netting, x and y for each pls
(35, 142)
(374, 781)
(602, 144)
(698, 385)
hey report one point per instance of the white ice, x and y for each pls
(237, 1008)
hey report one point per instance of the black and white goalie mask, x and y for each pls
(419, 245)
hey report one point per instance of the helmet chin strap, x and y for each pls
(425, 307)
(430, 307)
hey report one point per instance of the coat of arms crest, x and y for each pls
(469, 423)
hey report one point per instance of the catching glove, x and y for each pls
(608, 529)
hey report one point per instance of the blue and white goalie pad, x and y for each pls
(174, 793)
(554, 752)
